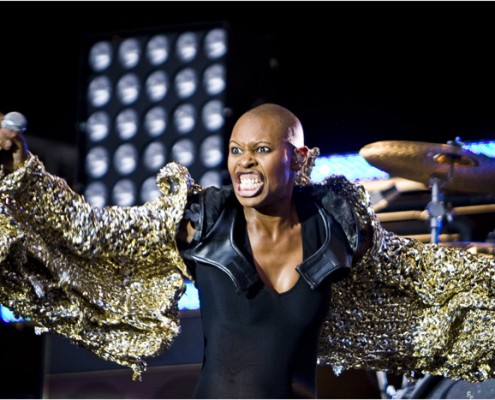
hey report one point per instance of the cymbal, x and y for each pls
(421, 161)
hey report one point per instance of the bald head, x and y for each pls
(288, 124)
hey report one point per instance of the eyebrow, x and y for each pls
(255, 143)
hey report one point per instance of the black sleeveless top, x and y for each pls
(259, 343)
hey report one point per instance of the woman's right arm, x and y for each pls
(49, 207)
(108, 278)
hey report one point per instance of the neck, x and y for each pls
(272, 221)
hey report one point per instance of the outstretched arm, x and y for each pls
(412, 307)
(109, 279)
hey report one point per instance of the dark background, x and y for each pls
(354, 72)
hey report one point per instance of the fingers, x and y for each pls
(14, 149)
(8, 138)
(7, 145)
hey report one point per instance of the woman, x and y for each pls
(289, 273)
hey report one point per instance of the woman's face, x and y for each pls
(260, 162)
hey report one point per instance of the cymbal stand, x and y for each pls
(436, 209)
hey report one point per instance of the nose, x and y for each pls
(247, 160)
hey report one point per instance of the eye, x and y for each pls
(263, 149)
(235, 150)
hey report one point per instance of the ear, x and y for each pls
(300, 157)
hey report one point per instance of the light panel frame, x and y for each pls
(140, 72)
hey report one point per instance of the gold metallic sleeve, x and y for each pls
(107, 278)
(412, 307)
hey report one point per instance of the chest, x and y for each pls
(226, 247)
(276, 258)
(298, 308)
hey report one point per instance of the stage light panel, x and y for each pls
(152, 97)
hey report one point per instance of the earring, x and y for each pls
(298, 157)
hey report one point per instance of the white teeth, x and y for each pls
(249, 183)
(249, 180)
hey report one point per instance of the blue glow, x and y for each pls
(352, 166)
(190, 299)
(8, 316)
(487, 148)
(356, 168)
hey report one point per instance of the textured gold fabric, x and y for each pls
(109, 279)
(412, 307)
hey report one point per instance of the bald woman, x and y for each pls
(290, 273)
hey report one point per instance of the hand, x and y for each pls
(13, 149)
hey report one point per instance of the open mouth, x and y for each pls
(248, 184)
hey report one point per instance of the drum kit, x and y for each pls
(439, 167)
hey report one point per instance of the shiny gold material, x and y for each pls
(484, 248)
(459, 169)
(303, 176)
(110, 279)
(411, 307)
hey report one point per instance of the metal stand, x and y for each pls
(436, 212)
(386, 391)
(436, 209)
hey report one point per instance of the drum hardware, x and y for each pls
(442, 238)
(387, 391)
(460, 169)
(423, 215)
(436, 208)
(440, 166)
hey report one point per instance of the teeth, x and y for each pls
(249, 183)
(249, 180)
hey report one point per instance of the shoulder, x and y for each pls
(349, 204)
(212, 200)
(336, 193)
(204, 207)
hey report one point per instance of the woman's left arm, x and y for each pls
(412, 307)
